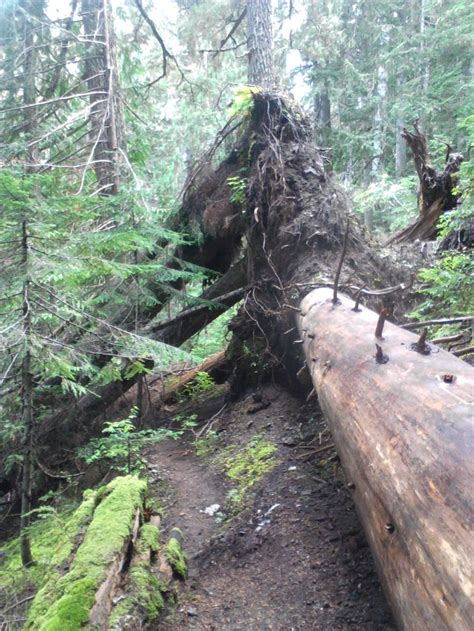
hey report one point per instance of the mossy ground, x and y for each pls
(244, 465)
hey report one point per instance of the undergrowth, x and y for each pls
(72, 551)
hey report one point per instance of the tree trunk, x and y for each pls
(102, 82)
(29, 98)
(400, 150)
(424, 67)
(436, 194)
(322, 112)
(225, 293)
(27, 416)
(260, 43)
(379, 121)
(404, 432)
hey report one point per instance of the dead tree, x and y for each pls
(436, 190)
(404, 432)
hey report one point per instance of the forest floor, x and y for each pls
(294, 556)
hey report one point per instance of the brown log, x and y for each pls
(224, 293)
(404, 431)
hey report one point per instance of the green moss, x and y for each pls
(65, 601)
(176, 558)
(148, 591)
(149, 539)
(144, 594)
(71, 611)
(144, 591)
(245, 466)
(53, 538)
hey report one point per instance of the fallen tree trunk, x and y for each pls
(223, 294)
(402, 425)
(81, 413)
(436, 192)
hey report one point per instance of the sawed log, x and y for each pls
(403, 427)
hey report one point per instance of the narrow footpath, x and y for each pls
(295, 557)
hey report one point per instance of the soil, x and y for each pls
(296, 557)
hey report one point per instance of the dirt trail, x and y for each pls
(295, 559)
(190, 488)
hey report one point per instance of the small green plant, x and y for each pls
(121, 445)
(242, 102)
(447, 286)
(238, 187)
(207, 445)
(201, 383)
(186, 422)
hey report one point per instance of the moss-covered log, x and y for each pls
(69, 600)
(403, 426)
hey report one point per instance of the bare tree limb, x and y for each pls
(62, 55)
(222, 50)
(164, 51)
(456, 320)
(229, 35)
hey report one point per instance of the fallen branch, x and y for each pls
(464, 351)
(450, 338)
(219, 303)
(456, 320)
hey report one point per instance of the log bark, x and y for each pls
(224, 293)
(404, 433)
(99, 614)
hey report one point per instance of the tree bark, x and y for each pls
(400, 150)
(379, 121)
(260, 43)
(27, 415)
(102, 82)
(322, 112)
(29, 98)
(225, 292)
(404, 432)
